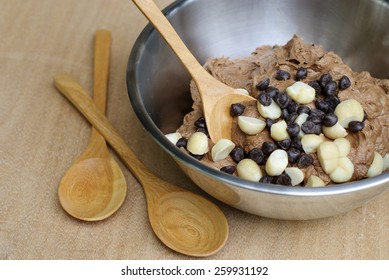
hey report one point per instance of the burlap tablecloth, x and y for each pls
(41, 135)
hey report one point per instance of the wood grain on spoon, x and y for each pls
(94, 187)
(183, 221)
(216, 97)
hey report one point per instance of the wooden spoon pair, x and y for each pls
(183, 221)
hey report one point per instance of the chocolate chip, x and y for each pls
(266, 179)
(296, 144)
(230, 169)
(322, 105)
(313, 123)
(282, 75)
(324, 79)
(316, 112)
(308, 127)
(290, 118)
(344, 83)
(355, 126)
(284, 113)
(293, 107)
(293, 155)
(268, 148)
(282, 99)
(316, 86)
(317, 129)
(264, 84)
(236, 109)
(269, 122)
(330, 88)
(257, 155)
(272, 92)
(181, 143)
(264, 99)
(200, 123)
(332, 102)
(304, 161)
(304, 110)
(283, 179)
(301, 74)
(315, 119)
(293, 130)
(284, 144)
(237, 154)
(330, 119)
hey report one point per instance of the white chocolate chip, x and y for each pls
(344, 146)
(295, 174)
(174, 137)
(386, 161)
(335, 131)
(377, 166)
(278, 131)
(343, 172)
(328, 156)
(222, 149)
(273, 111)
(349, 110)
(310, 142)
(301, 92)
(198, 143)
(314, 181)
(302, 118)
(242, 91)
(250, 126)
(249, 170)
(276, 162)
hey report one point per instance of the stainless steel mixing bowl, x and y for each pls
(158, 85)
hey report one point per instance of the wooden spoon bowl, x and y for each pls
(94, 187)
(183, 221)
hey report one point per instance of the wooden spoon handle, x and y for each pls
(101, 68)
(97, 145)
(160, 22)
(80, 99)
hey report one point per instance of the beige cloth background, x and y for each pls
(41, 135)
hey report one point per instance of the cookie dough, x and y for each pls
(307, 84)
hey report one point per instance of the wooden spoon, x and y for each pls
(216, 97)
(183, 221)
(94, 187)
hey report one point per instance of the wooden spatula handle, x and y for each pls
(160, 22)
